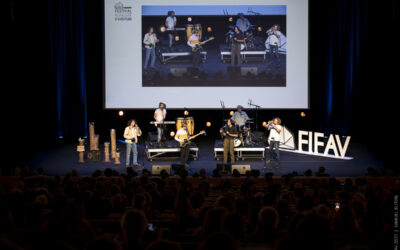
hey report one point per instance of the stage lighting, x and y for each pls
(264, 124)
(208, 124)
(177, 38)
(172, 133)
(120, 113)
(302, 114)
(186, 113)
(259, 28)
(162, 29)
(231, 113)
(209, 29)
(230, 19)
(189, 19)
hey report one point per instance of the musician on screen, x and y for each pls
(150, 40)
(182, 136)
(194, 41)
(243, 23)
(159, 116)
(170, 23)
(229, 132)
(238, 41)
(273, 42)
(131, 133)
(274, 128)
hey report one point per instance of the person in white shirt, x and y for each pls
(150, 40)
(170, 23)
(274, 42)
(180, 136)
(159, 117)
(193, 41)
(274, 138)
(131, 133)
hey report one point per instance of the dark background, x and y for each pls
(53, 75)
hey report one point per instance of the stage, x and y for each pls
(63, 158)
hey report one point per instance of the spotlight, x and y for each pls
(121, 113)
(259, 28)
(209, 29)
(189, 19)
(208, 124)
(231, 113)
(172, 133)
(302, 114)
(185, 113)
(162, 29)
(177, 38)
(264, 124)
(230, 19)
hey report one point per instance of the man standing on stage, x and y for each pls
(159, 117)
(193, 41)
(238, 40)
(274, 42)
(230, 133)
(131, 133)
(170, 23)
(150, 40)
(182, 137)
(274, 139)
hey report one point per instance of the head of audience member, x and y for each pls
(213, 220)
(133, 228)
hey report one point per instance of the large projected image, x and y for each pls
(199, 55)
(214, 45)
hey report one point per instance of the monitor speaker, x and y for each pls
(241, 168)
(245, 71)
(224, 169)
(156, 169)
(178, 72)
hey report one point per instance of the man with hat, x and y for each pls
(240, 117)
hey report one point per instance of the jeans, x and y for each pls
(150, 53)
(171, 39)
(274, 146)
(273, 52)
(131, 147)
(196, 57)
(160, 131)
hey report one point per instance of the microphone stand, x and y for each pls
(257, 107)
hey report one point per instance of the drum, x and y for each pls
(189, 122)
(236, 142)
(191, 27)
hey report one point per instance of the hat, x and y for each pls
(239, 107)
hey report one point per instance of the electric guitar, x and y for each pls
(199, 44)
(187, 141)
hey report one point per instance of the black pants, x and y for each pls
(184, 154)
(235, 54)
(196, 57)
(273, 53)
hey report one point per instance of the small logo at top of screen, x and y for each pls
(122, 12)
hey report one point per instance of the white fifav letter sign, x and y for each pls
(332, 144)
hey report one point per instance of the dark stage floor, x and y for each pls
(64, 158)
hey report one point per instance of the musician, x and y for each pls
(274, 138)
(131, 133)
(150, 40)
(170, 23)
(274, 42)
(243, 23)
(238, 40)
(240, 117)
(193, 41)
(159, 116)
(181, 136)
(230, 133)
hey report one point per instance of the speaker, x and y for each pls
(253, 71)
(241, 168)
(177, 168)
(224, 169)
(156, 169)
(193, 71)
(93, 156)
(178, 72)
(152, 136)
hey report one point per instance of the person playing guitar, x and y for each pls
(229, 132)
(238, 41)
(182, 136)
(194, 42)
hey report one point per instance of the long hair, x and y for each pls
(130, 122)
(279, 120)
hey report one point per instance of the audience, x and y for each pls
(125, 211)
